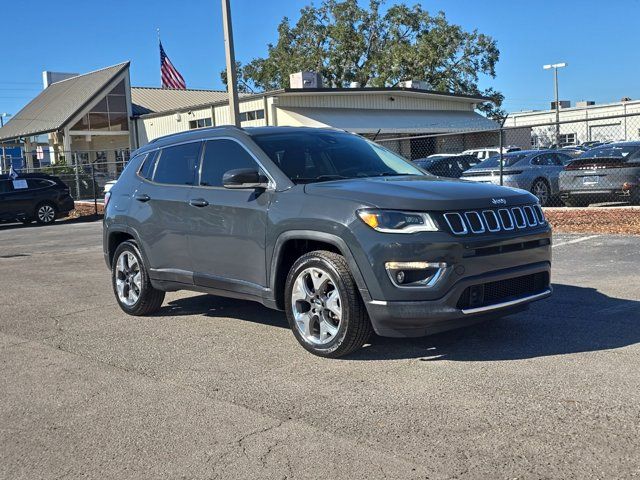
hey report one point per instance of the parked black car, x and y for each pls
(33, 196)
(610, 172)
(450, 166)
(345, 236)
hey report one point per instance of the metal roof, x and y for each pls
(149, 100)
(57, 104)
(400, 121)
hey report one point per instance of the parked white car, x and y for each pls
(484, 153)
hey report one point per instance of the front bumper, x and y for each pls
(419, 318)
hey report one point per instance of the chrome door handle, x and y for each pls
(143, 197)
(198, 202)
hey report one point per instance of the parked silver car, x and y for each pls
(608, 173)
(534, 170)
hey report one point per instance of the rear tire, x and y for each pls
(323, 305)
(46, 213)
(575, 203)
(131, 284)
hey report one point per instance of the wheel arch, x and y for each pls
(117, 235)
(293, 244)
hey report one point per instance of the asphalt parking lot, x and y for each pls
(219, 388)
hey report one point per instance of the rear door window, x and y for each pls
(177, 165)
(219, 157)
(35, 183)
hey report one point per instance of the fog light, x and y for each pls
(415, 274)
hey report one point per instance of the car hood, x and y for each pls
(421, 193)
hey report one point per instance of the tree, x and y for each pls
(346, 43)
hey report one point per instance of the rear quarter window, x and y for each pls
(36, 183)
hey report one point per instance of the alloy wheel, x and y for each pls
(541, 190)
(46, 214)
(316, 306)
(128, 278)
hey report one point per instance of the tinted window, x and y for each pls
(146, 171)
(220, 156)
(508, 160)
(5, 186)
(38, 183)
(317, 156)
(176, 165)
(628, 152)
(544, 159)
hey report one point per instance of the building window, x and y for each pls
(252, 115)
(109, 114)
(566, 139)
(200, 123)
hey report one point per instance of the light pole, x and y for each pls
(232, 85)
(2, 163)
(555, 67)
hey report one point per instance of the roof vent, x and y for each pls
(305, 80)
(415, 84)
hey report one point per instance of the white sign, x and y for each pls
(19, 184)
(40, 153)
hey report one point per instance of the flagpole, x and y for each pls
(159, 45)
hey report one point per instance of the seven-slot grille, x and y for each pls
(490, 221)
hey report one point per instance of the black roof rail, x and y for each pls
(206, 129)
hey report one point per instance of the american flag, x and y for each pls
(171, 78)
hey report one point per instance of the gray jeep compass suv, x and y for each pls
(344, 235)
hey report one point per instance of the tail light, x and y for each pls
(107, 196)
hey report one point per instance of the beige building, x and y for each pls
(98, 117)
(584, 122)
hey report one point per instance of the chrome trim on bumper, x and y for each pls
(511, 303)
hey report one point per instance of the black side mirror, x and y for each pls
(244, 178)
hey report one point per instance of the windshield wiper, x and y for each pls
(319, 178)
(391, 174)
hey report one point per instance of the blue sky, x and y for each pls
(597, 39)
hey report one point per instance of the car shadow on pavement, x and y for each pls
(575, 319)
(61, 221)
(221, 307)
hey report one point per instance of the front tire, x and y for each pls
(131, 284)
(323, 306)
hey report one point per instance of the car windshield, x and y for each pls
(507, 160)
(321, 156)
(613, 151)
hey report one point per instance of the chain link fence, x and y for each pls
(86, 179)
(574, 163)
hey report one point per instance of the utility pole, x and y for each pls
(555, 67)
(232, 84)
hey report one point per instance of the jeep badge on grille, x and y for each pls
(499, 201)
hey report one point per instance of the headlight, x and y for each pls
(394, 221)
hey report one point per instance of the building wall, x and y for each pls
(586, 123)
(372, 101)
(149, 128)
